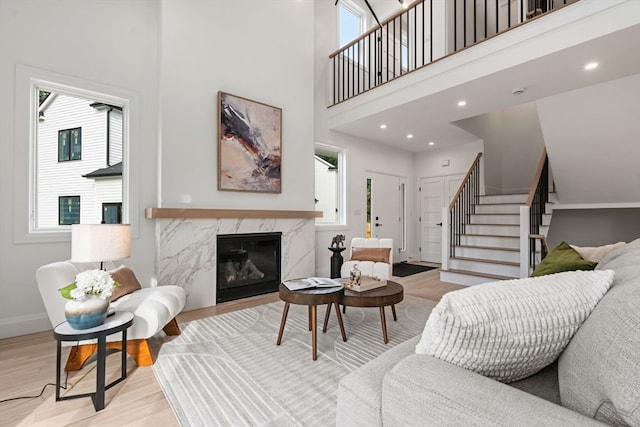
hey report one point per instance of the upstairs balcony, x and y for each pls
(426, 32)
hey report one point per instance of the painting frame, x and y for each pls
(249, 145)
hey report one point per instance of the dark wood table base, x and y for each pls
(388, 295)
(312, 298)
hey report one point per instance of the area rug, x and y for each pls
(404, 269)
(227, 370)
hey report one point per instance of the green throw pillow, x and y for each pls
(562, 258)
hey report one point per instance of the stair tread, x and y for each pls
(493, 248)
(489, 235)
(490, 261)
(475, 273)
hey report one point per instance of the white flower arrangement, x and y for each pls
(96, 283)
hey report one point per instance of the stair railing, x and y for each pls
(462, 206)
(536, 207)
(427, 31)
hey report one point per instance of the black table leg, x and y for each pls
(98, 401)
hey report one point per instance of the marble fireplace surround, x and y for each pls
(186, 245)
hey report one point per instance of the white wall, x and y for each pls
(113, 43)
(261, 50)
(593, 141)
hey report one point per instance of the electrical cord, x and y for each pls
(64, 387)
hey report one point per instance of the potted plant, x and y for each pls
(89, 298)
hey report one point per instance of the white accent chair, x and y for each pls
(369, 267)
(154, 309)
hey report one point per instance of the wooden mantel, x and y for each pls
(171, 213)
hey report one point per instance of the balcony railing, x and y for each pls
(425, 32)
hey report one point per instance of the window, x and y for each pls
(350, 27)
(69, 144)
(68, 210)
(112, 213)
(79, 135)
(329, 184)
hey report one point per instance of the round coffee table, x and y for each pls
(312, 298)
(391, 294)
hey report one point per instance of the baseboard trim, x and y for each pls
(22, 325)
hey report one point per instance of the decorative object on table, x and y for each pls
(249, 145)
(364, 283)
(336, 260)
(91, 291)
(88, 299)
(337, 241)
(355, 275)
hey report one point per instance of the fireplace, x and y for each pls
(248, 265)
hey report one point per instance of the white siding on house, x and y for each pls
(107, 190)
(115, 137)
(326, 189)
(54, 178)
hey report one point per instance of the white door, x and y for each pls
(386, 211)
(435, 193)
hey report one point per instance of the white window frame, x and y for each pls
(28, 81)
(341, 218)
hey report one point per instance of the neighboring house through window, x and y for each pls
(329, 184)
(112, 213)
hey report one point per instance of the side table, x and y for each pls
(312, 298)
(118, 322)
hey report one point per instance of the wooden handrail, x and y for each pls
(536, 177)
(466, 178)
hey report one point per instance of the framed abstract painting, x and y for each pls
(249, 145)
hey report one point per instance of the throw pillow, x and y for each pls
(596, 253)
(370, 254)
(127, 280)
(511, 329)
(562, 258)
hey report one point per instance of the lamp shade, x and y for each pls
(100, 242)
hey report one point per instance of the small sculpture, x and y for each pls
(337, 241)
(355, 275)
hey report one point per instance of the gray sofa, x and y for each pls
(595, 381)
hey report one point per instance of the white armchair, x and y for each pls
(374, 257)
(154, 309)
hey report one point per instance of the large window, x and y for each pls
(78, 156)
(329, 184)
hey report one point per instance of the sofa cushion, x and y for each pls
(562, 258)
(127, 281)
(599, 372)
(596, 253)
(510, 329)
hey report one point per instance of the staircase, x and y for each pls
(489, 247)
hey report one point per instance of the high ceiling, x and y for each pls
(432, 117)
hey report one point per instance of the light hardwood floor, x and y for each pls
(27, 363)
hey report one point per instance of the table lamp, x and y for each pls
(100, 242)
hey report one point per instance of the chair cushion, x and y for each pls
(599, 371)
(370, 254)
(127, 280)
(510, 329)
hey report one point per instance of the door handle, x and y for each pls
(440, 224)
(377, 224)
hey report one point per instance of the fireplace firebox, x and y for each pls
(248, 265)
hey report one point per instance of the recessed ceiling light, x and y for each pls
(432, 143)
(410, 136)
(383, 126)
(591, 66)
(462, 103)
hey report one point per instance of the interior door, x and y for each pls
(435, 193)
(386, 211)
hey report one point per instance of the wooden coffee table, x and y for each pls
(312, 298)
(391, 294)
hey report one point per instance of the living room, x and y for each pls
(172, 58)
